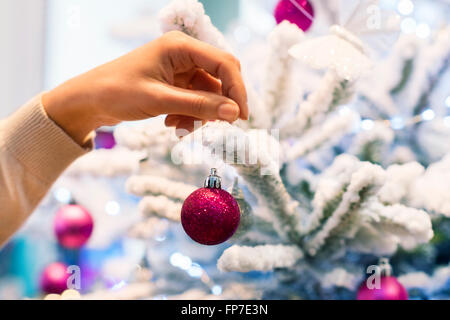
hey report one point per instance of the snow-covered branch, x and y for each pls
(400, 179)
(162, 207)
(328, 133)
(260, 258)
(150, 134)
(280, 94)
(142, 185)
(431, 190)
(149, 228)
(341, 218)
(107, 163)
(431, 61)
(371, 144)
(256, 159)
(385, 228)
(189, 17)
(331, 92)
(430, 283)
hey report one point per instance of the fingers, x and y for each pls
(198, 79)
(218, 63)
(205, 82)
(225, 67)
(183, 124)
(194, 103)
(172, 120)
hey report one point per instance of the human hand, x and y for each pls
(175, 75)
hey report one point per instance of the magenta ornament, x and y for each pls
(299, 12)
(104, 140)
(73, 226)
(390, 289)
(54, 278)
(210, 215)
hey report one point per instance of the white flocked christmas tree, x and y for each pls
(343, 159)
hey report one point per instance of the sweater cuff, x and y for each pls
(39, 144)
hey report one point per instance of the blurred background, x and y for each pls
(45, 42)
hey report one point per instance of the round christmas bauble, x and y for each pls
(73, 226)
(104, 140)
(54, 278)
(210, 215)
(299, 12)
(390, 289)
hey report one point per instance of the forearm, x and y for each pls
(34, 151)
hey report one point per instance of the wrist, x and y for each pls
(72, 112)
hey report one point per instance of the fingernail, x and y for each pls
(229, 112)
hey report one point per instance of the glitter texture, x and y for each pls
(210, 216)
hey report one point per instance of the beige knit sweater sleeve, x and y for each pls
(34, 151)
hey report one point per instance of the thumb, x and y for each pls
(198, 104)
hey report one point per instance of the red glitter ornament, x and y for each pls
(389, 287)
(210, 215)
(73, 226)
(54, 278)
(299, 12)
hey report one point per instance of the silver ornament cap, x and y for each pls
(213, 181)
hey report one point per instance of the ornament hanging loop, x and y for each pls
(213, 181)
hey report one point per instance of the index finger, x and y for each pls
(223, 66)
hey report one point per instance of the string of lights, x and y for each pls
(399, 122)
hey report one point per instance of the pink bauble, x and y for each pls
(104, 140)
(390, 289)
(54, 278)
(73, 226)
(299, 12)
(210, 216)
